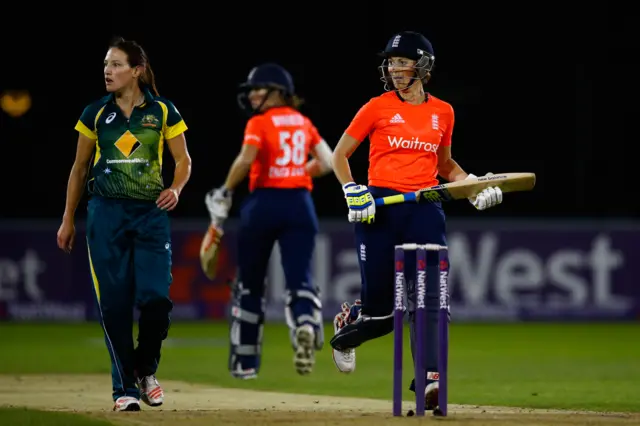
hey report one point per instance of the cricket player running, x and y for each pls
(410, 145)
(128, 229)
(278, 141)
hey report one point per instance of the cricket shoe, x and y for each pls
(150, 391)
(345, 361)
(305, 357)
(431, 392)
(240, 372)
(126, 403)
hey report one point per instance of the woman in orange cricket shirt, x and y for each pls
(410, 145)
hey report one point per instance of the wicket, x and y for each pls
(420, 306)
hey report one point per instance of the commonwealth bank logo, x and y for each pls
(127, 144)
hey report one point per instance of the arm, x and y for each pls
(448, 168)
(178, 147)
(241, 166)
(78, 176)
(346, 146)
(322, 163)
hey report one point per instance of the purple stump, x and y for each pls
(443, 330)
(398, 314)
(420, 324)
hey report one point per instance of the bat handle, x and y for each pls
(396, 199)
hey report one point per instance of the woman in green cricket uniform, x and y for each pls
(128, 231)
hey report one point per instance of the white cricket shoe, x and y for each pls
(305, 358)
(126, 403)
(150, 391)
(345, 361)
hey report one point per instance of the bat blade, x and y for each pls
(209, 250)
(507, 182)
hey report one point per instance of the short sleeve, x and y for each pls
(253, 132)
(363, 123)
(448, 132)
(174, 124)
(87, 122)
(315, 135)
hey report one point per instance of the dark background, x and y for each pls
(539, 89)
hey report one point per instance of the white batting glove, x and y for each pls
(489, 197)
(218, 202)
(362, 207)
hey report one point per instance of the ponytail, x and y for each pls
(148, 79)
(294, 101)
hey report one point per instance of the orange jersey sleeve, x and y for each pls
(403, 140)
(253, 132)
(363, 123)
(284, 138)
(314, 135)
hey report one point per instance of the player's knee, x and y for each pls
(155, 318)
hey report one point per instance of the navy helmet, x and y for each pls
(269, 76)
(410, 45)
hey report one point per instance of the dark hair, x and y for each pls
(137, 57)
(293, 101)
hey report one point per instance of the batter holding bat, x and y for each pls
(276, 149)
(409, 134)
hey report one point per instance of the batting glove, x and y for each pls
(218, 202)
(489, 197)
(362, 207)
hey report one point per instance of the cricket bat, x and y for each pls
(209, 250)
(463, 189)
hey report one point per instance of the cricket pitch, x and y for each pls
(190, 404)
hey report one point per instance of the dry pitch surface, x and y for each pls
(189, 404)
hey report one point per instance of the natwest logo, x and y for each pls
(413, 143)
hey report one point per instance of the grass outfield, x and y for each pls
(571, 366)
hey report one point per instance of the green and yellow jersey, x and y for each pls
(128, 158)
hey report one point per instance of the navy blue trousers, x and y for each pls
(285, 216)
(396, 224)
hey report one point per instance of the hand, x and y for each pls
(489, 197)
(168, 199)
(66, 235)
(362, 207)
(218, 202)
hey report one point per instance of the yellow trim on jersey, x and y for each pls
(95, 126)
(175, 130)
(95, 122)
(165, 114)
(80, 127)
(169, 132)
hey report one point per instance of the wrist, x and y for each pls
(226, 189)
(346, 186)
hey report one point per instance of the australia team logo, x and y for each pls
(150, 120)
